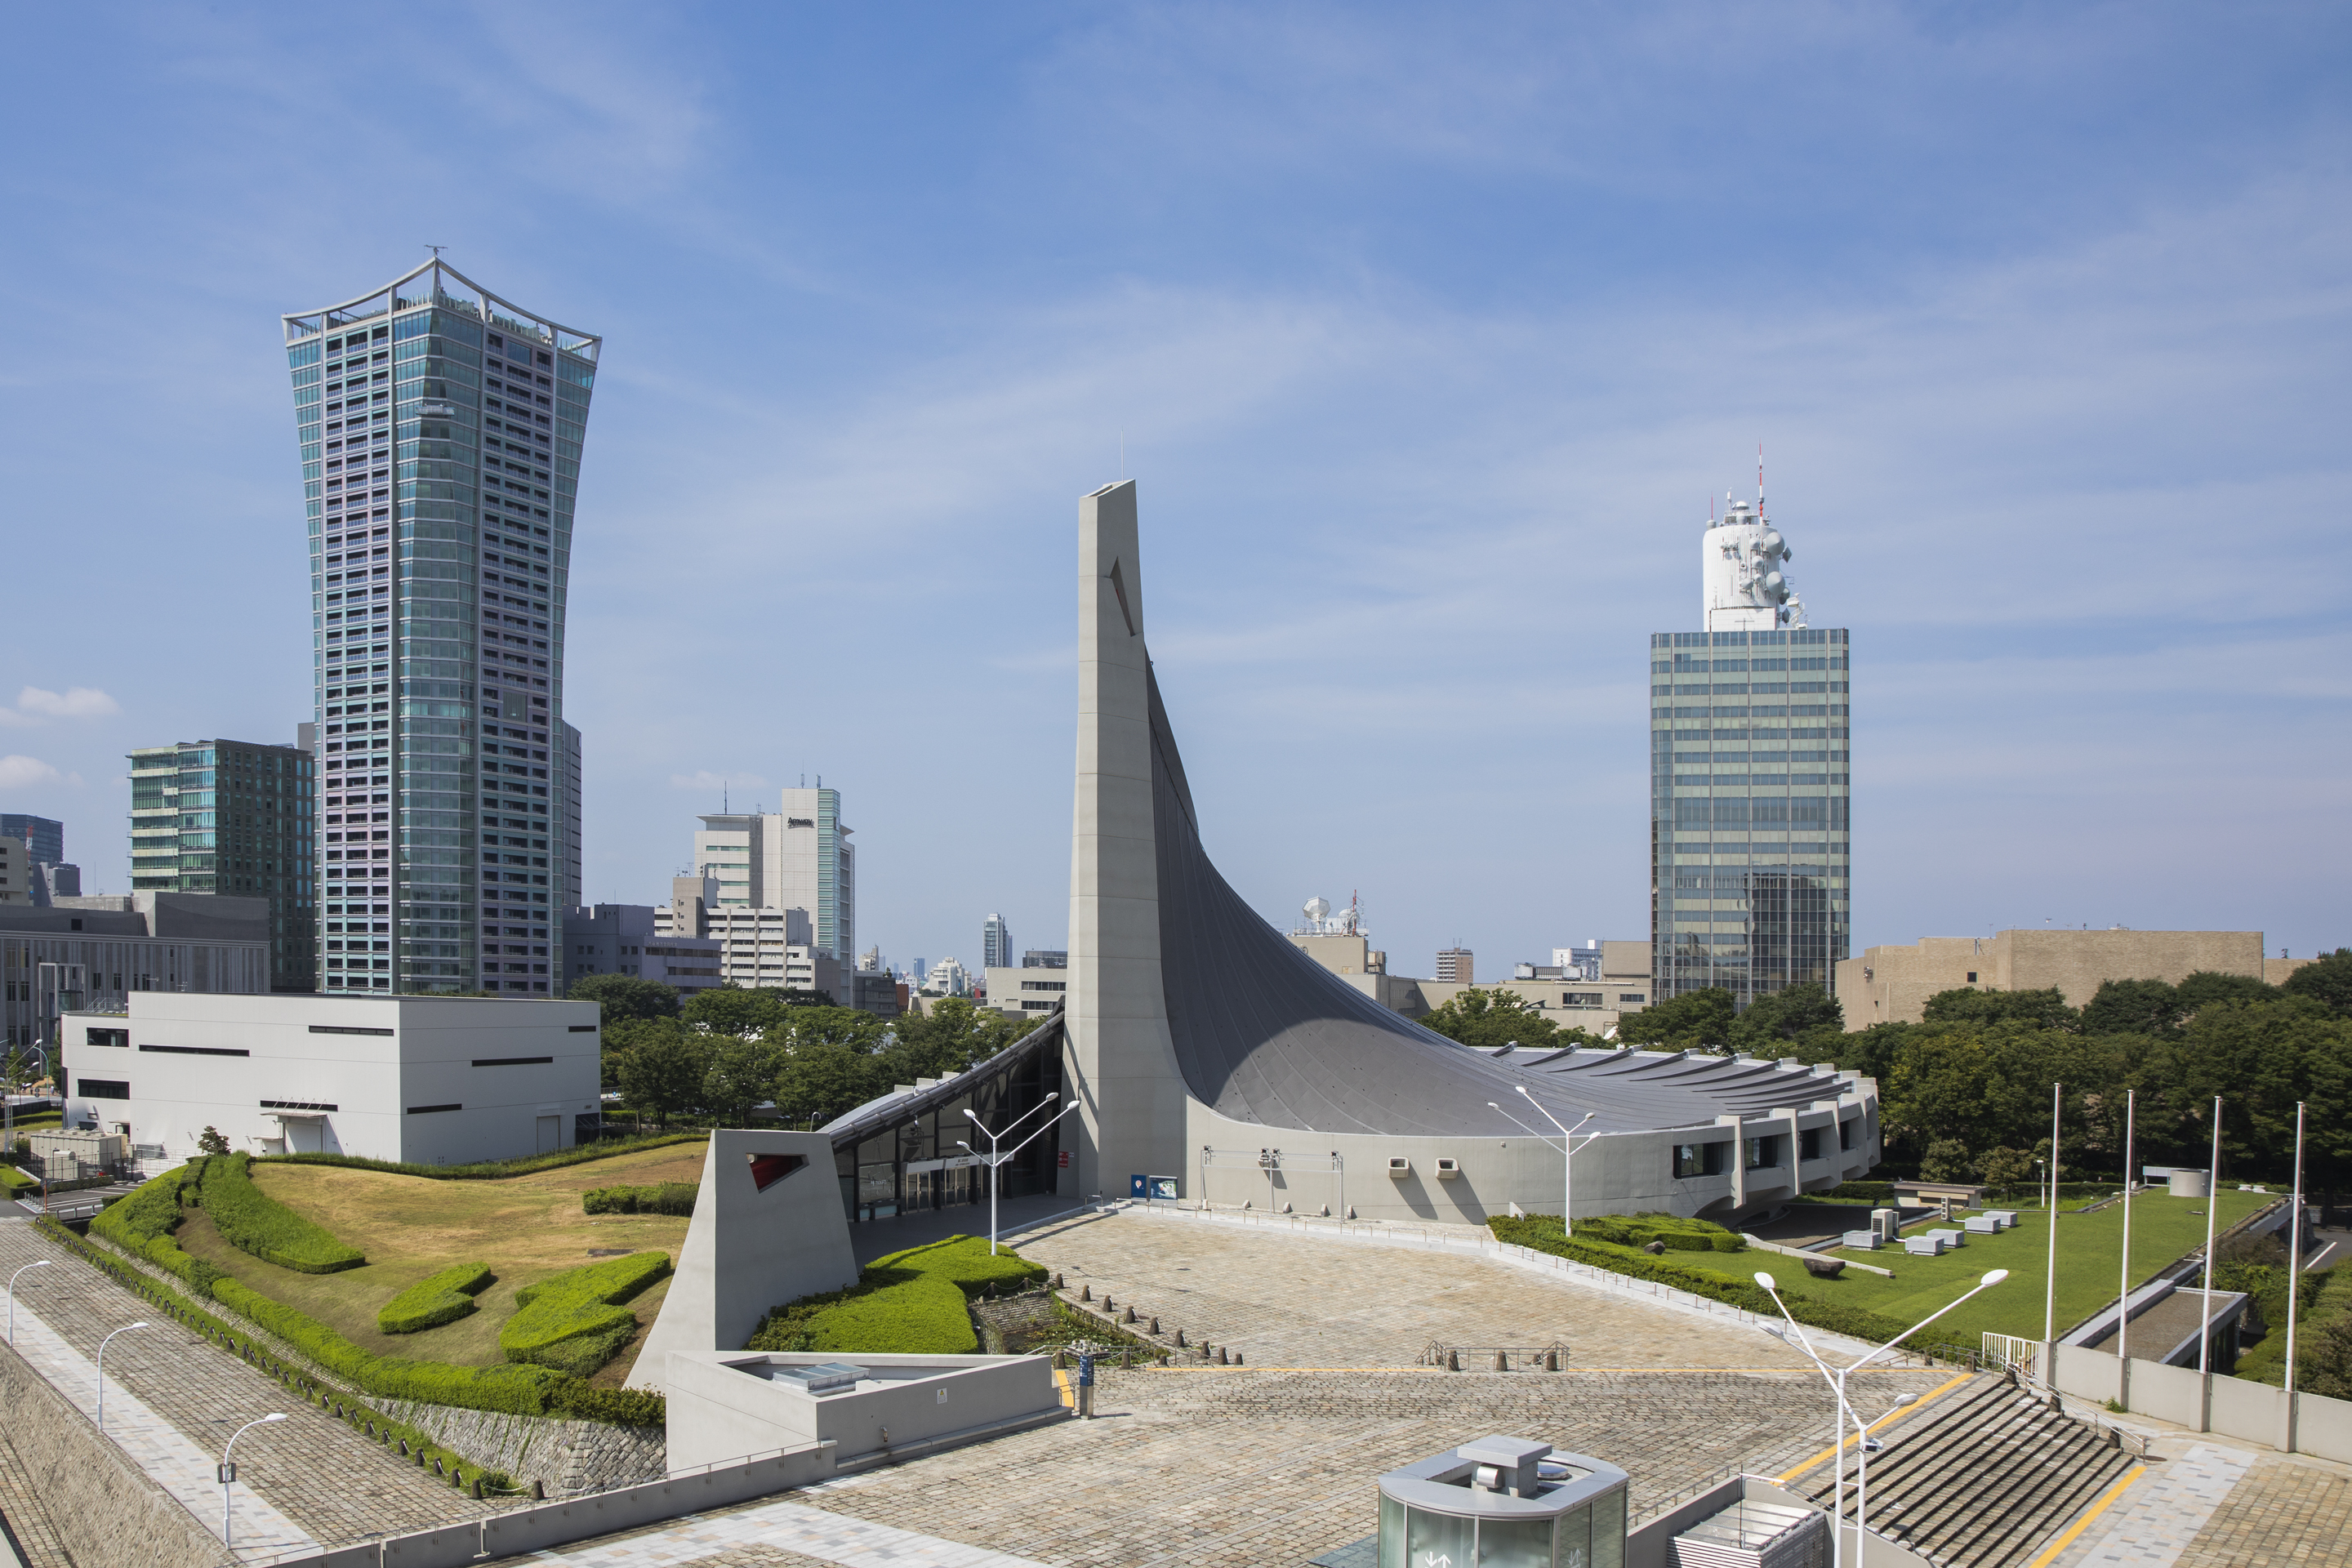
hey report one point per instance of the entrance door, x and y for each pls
(550, 1134)
(302, 1137)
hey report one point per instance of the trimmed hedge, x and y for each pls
(1678, 1234)
(438, 1298)
(907, 1304)
(575, 1320)
(252, 1221)
(1541, 1233)
(661, 1197)
(497, 1169)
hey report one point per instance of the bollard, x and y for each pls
(1155, 1325)
(1179, 1339)
(539, 1491)
(1452, 1360)
(1222, 1358)
(1108, 1303)
(1058, 1281)
(1551, 1360)
(1237, 1358)
(1128, 1316)
(1502, 1361)
(478, 1488)
(1086, 1292)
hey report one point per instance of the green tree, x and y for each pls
(948, 1037)
(853, 1026)
(2043, 1009)
(211, 1141)
(2005, 1167)
(734, 1010)
(1696, 1020)
(1946, 1161)
(2326, 980)
(2208, 987)
(1490, 1020)
(2132, 1007)
(626, 997)
(823, 1078)
(662, 1072)
(738, 1076)
(1772, 1021)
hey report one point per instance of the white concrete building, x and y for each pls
(428, 1080)
(799, 860)
(756, 946)
(1026, 992)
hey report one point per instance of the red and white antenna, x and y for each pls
(1760, 478)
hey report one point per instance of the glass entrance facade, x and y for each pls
(904, 1153)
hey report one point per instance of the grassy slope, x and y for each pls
(2090, 1252)
(526, 1228)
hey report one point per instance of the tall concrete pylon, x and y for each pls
(1125, 1073)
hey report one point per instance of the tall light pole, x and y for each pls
(2049, 1266)
(44, 1263)
(993, 1159)
(2123, 1299)
(228, 1471)
(2212, 1199)
(101, 1370)
(2294, 1259)
(1845, 1411)
(1567, 1156)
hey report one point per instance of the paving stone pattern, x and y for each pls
(2152, 1523)
(1246, 1466)
(2282, 1511)
(329, 1480)
(769, 1534)
(1283, 1300)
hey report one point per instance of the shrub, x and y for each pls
(908, 1303)
(1541, 1233)
(251, 1221)
(663, 1197)
(1864, 1191)
(1677, 1234)
(619, 1407)
(442, 1298)
(499, 1170)
(579, 1304)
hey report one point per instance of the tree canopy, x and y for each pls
(624, 997)
(1696, 1020)
(1491, 1020)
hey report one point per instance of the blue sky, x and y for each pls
(1428, 332)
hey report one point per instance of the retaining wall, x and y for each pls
(114, 1516)
(2233, 1407)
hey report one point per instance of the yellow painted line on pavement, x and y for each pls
(2099, 1508)
(1062, 1381)
(1932, 1393)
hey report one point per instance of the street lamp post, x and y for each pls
(1845, 1411)
(995, 1158)
(44, 1263)
(228, 1471)
(1567, 1153)
(101, 1370)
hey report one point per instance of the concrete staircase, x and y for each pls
(1983, 1478)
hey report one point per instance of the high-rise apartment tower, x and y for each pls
(441, 430)
(1750, 874)
(234, 817)
(995, 944)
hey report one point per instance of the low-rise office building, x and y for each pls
(1892, 985)
(1026, 992)
(96, 952)
(623, 939)
(759, 947)
(436, 1080)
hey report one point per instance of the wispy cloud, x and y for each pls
(22, 772)
(76, 702)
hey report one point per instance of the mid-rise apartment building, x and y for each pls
(757, 948)
(798, 859)
(234, 817)
(440, 429)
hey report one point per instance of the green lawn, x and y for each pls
(2090, 1251)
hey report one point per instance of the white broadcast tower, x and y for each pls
(1742, 561)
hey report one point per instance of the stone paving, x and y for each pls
(2154, 1521)
(1285, 1300)
(2284, 1511)
(779, 1535)
(329, 1482)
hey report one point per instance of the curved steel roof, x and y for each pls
(1265, 1034)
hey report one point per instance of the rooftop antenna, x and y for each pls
(1760, 478)
(437, 250)
(722, 798)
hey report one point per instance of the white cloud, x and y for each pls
(22, 772)
(76, 702)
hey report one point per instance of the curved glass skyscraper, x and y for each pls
(441, 429)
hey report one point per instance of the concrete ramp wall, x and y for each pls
(2232, 1408)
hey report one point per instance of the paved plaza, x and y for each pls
(1287, 1301)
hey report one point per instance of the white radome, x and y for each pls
(1745, 588)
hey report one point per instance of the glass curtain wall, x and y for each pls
(1749, 809)
(440, 431)
(916, 1164)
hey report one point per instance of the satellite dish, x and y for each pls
(1317, 908)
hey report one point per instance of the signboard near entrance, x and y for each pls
(1153, 1189)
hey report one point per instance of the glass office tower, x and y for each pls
(233, 817)
(441, 429)
(1750, 868)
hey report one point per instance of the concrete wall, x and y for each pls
(372, 1080)
(719, 1412)
(1892, 985)
(114, 1516)
(1615, 1173)
(2235, 1407)
(1133, 1096)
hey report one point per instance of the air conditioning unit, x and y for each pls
(1399, 1167)
(1448, 1169)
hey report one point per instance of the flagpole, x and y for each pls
(2123, 1300)
(2050, 1277)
